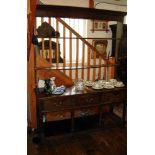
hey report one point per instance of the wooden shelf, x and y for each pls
(74, 68)
(63, 115)
(82, 38)
(78, 12)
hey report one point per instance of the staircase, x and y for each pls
(70, 52)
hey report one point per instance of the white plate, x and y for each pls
(101, 81)
(100, 87)
(119, 85)
(57, 92)
(108, 86)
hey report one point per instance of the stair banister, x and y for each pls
(80, 37)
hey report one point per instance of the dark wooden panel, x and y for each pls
(112, 97)
(88, 99)
(59, 103)
(123, 43)
(78, 12)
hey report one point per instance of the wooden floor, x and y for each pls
(112, 141)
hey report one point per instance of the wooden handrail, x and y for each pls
(80, 37)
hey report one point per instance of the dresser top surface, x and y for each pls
(71, 91)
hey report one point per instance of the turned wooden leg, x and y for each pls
(111, 108)
(72, 121)
(100, 116)
(124, 113)
(40, 125)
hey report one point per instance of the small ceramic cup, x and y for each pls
(119, 83)
(97, 85)
(79, 85)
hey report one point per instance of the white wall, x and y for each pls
(110, 7)
(100, 34)
(85, 3)
(104, 34)
(77, 3)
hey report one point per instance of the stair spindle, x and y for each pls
(83, 58)
(43, 53)
(88, 64)
(99, 70)
(94, 63)
(64, 48)
(50, 44)
(70, 54)
(57, 46)
(77, 57)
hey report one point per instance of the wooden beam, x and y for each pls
(78, 12)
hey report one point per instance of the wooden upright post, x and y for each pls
(119, 32)
(91, 3)
(32, 115)
(31, 9)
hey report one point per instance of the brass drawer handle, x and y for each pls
(58, 103)
(90, 100)
(44, 118)
(117, 93)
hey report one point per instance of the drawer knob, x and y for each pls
(116, 93)
(90, 100)
(58, 103)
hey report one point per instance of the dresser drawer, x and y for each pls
(115, 96)
(58, 103)
(88, 99)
